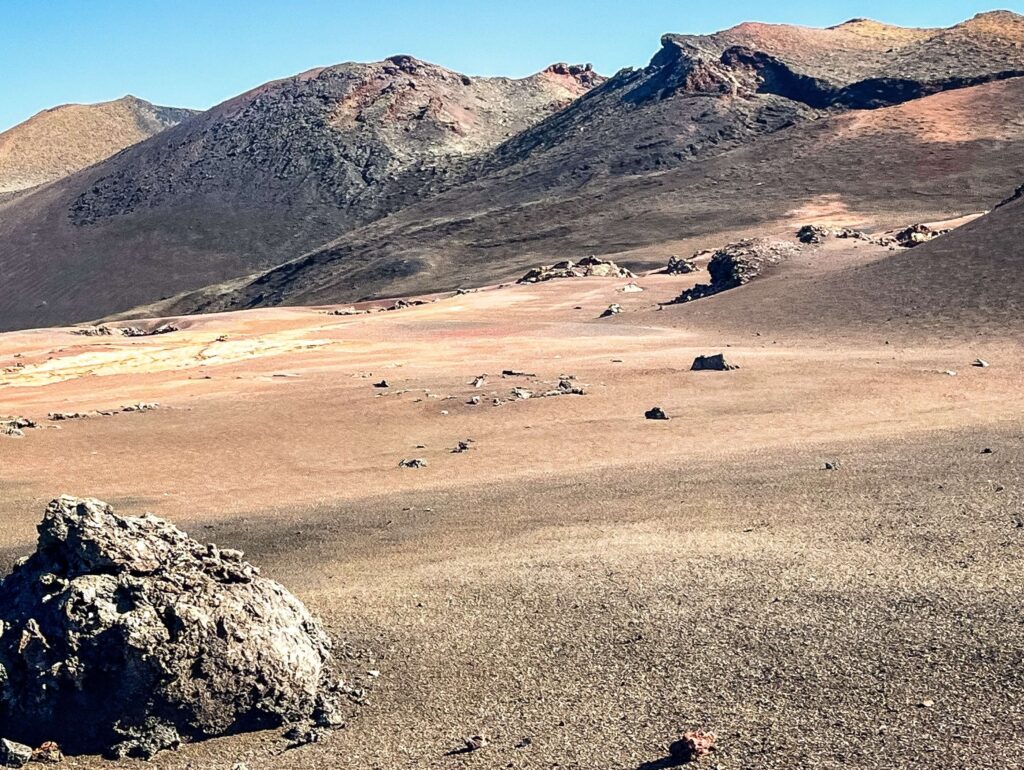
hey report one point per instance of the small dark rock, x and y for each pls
(692, 746)
(715, 363)
(656, 413)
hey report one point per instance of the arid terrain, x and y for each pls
(818, 557)
(583, 584)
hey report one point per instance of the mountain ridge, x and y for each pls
(369, 172)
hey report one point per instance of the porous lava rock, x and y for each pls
(737, 264)
(124, 636)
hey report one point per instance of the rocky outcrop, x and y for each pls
(737, 264)
(587, 267)
(915, 235)
(820, 233)
(124, 636)
(680, 265)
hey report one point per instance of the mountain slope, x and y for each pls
(255, 181)
(640, 178)
(66, 139)
(401, 177)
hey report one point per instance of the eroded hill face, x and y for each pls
(58, 142)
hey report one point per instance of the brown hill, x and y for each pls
(953, 153)
(256, 180)
(66, 139)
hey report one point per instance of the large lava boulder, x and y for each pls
(737, 264)
(122, 635)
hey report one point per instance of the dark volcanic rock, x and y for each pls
(738, 263)
(915, 235)
(656, 413)
(122, 635)
(680, 265)
(715, 363)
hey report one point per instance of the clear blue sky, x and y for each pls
(196, 53)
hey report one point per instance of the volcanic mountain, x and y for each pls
(60, 141)
(257, 180)
(713, 140)
(401, 177)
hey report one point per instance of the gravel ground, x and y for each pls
(866, 617)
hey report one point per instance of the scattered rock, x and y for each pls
(831, 465)
(479, 381)
(404, 303)
(94, 331)
(737, 264)
(48, 753)
(62, 416)
(463, 446)
(521, 393)
(303, 736)
(656, 413)
(124, 636)
(414, 462)
(476, 742)
(136, 331)
(381, 384)
(631, 288)
(714, 363)
(692, 746)
(142, 406)
(980, 363)
(14, 754)
(347, 311)
(514, 373)
(566, 386)
(15, 427)
(987, 451)
(612, 309)
(585, 268)
(820, 233)
(474, 400)
(680, 265)
(915, 235)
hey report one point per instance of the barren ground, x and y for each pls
(583, 585)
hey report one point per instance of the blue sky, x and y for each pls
(196, 53)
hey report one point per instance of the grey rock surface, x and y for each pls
(123, 636)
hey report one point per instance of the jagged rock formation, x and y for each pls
(122, 635)
(586, 268)
(737, 264)
(680, 265)
(915, 235)
(66, 139)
